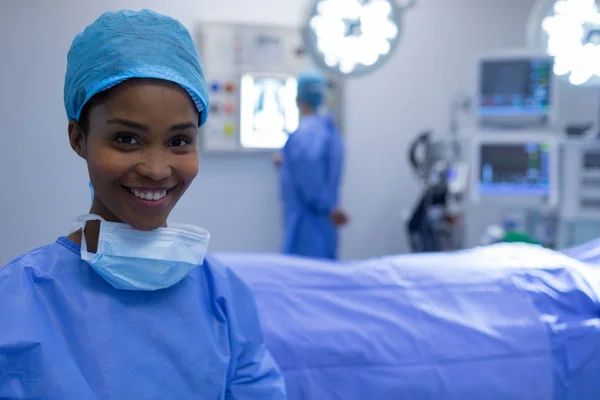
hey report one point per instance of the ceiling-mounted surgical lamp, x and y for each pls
(569, 30)
(353, 37)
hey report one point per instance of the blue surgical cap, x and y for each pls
(311, 87)
(132, 44)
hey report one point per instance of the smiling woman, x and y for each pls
(139, 141)
(126, 306)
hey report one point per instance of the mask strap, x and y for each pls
(80, 223)
(85, 255)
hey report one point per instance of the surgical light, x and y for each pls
(569, 30)
(353, 37)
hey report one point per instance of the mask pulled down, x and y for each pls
(129, 259)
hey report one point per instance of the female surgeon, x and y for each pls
(126, 307)
(310, 175)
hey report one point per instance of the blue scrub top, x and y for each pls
(310, 177)
(65, 333)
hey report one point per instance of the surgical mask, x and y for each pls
(130, 259)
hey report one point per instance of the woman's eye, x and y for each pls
(180, 142)
(127, 140)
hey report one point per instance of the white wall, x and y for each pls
(235, 197)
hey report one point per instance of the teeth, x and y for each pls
(152, 196)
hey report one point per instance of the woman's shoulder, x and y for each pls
(24, 284)
(221, 276)
(41, 259)
(227, 288)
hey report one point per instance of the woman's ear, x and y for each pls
(77, 138)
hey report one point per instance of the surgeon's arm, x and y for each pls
(306, 161)
(255, 375)
(336, 165)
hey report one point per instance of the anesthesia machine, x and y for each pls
(515, 149)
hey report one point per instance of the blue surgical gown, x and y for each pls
(65, 333)
(310, 179)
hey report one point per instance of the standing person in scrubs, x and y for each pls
(311, 171)
(126, 306)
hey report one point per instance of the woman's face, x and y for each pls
(140, 150)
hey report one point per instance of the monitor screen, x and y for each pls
(516, 87)
(515, 169)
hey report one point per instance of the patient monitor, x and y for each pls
(516, 90)
(516, 170)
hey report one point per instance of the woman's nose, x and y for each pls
(155, 166)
